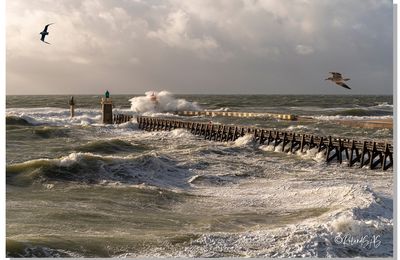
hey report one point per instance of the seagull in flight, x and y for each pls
(44, 33)
(338, 79)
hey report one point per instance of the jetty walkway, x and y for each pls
(365, 152)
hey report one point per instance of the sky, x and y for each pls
(199, 46)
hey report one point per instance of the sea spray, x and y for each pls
(162, 101)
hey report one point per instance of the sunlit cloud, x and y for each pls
(200, 45)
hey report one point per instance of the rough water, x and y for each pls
(78, 188)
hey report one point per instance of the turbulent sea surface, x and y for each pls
(78, 188)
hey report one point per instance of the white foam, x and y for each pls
(181, 133)
(302, 237)
(300, 127)
(347, 224)
(56, 116)
(165, 102)
(243, 140)
(272, 148)
(219, 109)
(267, 148)
(73, 158)
(384, 104)
(338, 117)
(311, 154)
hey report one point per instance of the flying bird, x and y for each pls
(44, 33)
(338, 79)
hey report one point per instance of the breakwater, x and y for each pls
(237, 114)
(361, 152)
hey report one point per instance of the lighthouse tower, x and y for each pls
(154, 100)
(153, 97)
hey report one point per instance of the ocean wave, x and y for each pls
(244, 140)
(211, 180)
(301, 128)
(20, 249)
(55, 116)
(109, 147)
(384, 104)
(219, 109)
(88, 168)
(50, 132)
(15, 120)
(181, 133)
(309, 222)
(361, 112)
(354, 210)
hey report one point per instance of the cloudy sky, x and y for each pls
(199, 46)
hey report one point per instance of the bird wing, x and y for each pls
(342, 84)
(44, 40)
(47, 26)
(336, 74)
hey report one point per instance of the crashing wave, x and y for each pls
(162, 102)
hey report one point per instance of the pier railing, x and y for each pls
(365, 152)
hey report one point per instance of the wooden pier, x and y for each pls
(366, 152)
(121, 118)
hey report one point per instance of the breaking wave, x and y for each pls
(52, 116)
(164, 102)
(88, 168)
(15, 120)
(51, 132)
(362, 112)
(109, 147)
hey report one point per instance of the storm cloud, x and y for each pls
(199, 46)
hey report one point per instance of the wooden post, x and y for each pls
(330, 148)
(284, 141)
(242, 131)
(351, 160)
(106, 107)
(277, 140)
(321, 143)
(311, 142)
(211, 132)
(293, 143)
(374, 154)
(269, 137)
(387, 154)
(262, 137)
(302, 143)
(363, 153)
(339, 151)
(72, 107)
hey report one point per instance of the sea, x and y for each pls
(78, 188)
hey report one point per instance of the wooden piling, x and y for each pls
(72, 107)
